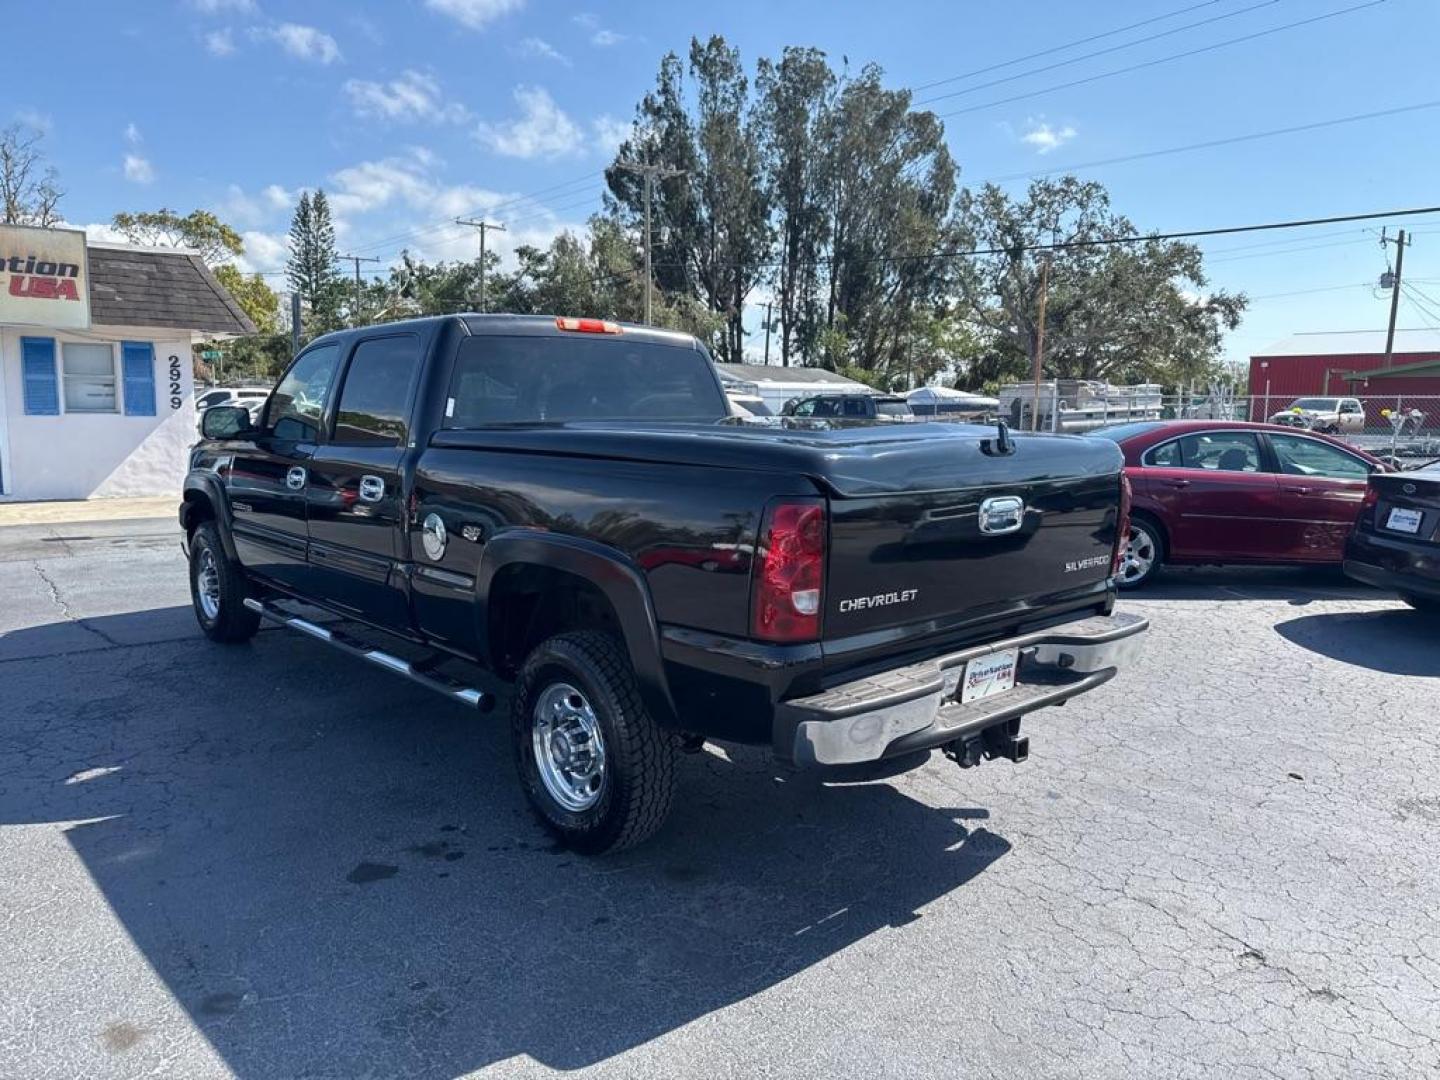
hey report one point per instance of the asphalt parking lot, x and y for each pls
(271, 861)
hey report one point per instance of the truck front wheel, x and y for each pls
(598, 770)
(217, 589)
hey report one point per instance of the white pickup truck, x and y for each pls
(1329, 415)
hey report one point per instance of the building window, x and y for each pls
(89, 371)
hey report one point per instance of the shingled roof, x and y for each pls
(139, 287)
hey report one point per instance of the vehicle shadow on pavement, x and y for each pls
(1397, 641)
(334, 872)
(1299, 584)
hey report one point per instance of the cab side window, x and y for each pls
(1221, 451)
(854, 407)
(374, 405)
(295, 409)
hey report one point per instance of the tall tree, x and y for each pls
(311, 269)
(795, 97)
(29, 188)
(1114, 311)
(255, 297)
(710, 230)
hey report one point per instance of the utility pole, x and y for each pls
(482, 226)
(1401, 243)
(650, 172)
(768, 305)
(295, 323)
(1040, 345)
(357, 260)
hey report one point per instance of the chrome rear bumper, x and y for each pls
(916, 707)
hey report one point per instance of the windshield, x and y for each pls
(1315, 404)
(529, 380)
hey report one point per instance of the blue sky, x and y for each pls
(410, 112)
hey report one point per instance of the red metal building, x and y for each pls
(1350, 363)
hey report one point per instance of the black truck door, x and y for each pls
(356, 496)
(266, 480)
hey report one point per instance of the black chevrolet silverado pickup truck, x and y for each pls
(567, 505)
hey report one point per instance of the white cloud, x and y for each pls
(611, 133)
(102, 232)
(413, 96)
(138, 170)
(588, 19)
(216, 7)
(34, 118)
(219, 42)
(543, 130)
(132, 134)
(301, 42)
(601, 36)
(534, 48)
(1045, 138)
(263, 251)
(475, 14)
(278, 198)
(604, 38)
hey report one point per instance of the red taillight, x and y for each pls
(588, 326)
(1372, 496)
(788, 573)
(1122, 525)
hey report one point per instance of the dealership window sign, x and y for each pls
(44, 278)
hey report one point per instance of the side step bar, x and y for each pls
(441, 684)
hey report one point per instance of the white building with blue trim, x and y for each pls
(96, 385)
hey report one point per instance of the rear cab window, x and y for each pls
(549, 380)
(374, 407)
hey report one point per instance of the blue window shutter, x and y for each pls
(42, 389)
(137, 360)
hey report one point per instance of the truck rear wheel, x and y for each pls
(217, 590)
(597, 769)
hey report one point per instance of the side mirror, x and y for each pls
(225, 422)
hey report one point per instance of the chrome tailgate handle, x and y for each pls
(295, 478)
(372, 489)
(1002, 514)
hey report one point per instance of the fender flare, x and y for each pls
(210, 488)
(619, 580)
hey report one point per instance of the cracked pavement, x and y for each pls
(272, 861)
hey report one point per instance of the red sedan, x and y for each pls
(1216, 491)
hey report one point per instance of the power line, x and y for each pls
(1106, 241)
(1100, 52)
(1067, 45)
(1165, 59)
(1228, 141)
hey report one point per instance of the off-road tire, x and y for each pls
(233, 622)
(638, 787)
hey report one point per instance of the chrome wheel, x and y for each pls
(1138, 558)
(207, 585)
(569, 747)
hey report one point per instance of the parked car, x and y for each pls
(1216, 491)
(1327, 415)
(1396, 541)
(569, 505)
(855, 407)
(250, 397)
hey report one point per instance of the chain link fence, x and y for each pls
(1399, 425)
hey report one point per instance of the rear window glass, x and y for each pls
(531, 380)
(892, 408)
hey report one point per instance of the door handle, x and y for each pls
(1298, 490)
(1178, 483)
(295, 478)
(372, 489)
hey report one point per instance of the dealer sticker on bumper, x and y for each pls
(989, 675)
(1403, 520)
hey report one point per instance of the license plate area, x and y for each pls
(1404, 520)
(987, 676)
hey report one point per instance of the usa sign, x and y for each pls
(44, 278)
